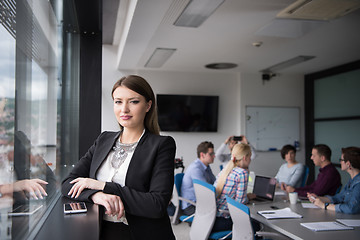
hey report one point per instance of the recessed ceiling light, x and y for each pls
(221, 65)
(287, 63)
(196, 12)
(257, 44)
(159, 57)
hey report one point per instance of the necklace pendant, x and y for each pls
(120, 153)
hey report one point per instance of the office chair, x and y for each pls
(242, 228)
(338, 189)
(205, 213)
(305, 176)
(177, 217)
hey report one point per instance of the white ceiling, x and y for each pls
(227, 36)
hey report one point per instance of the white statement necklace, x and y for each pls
(121, 151)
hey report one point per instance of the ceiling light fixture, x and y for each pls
(221, 65)
(159, 57)
(196, 12)
(287, 63)
(270, 72)
(257, 44)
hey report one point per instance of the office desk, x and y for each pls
(60, 226)
(292, 228)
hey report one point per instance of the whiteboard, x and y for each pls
(270, 128)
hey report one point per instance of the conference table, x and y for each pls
(292, 228)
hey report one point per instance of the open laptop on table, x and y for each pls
(264, 188)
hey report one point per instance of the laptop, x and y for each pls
(264, 188)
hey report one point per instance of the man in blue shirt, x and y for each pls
(199, 169)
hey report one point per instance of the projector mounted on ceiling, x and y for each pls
(319, 9)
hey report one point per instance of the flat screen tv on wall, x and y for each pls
(187, 113)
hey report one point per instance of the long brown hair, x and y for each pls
(142, 87)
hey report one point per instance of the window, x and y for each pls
(39, 108)
(333, 110)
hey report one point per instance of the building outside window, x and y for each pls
(39, 102)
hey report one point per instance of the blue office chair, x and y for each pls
(177, 217)
(205, 213)
(242, 227)
(305, 176)
(338, 189)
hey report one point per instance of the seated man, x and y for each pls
(328, 179)
(224, 154)
(199, 169)
(348, 200)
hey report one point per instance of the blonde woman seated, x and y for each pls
(232, 181)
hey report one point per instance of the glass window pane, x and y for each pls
(337, 96)
(31, 90)
(338, 134)
(7, 106)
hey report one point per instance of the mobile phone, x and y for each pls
(237, 138)
(75, 207)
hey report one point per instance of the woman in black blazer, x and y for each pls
(131, 172)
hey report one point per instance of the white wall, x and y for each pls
(234, 91)
(283, 90)
(109, 76)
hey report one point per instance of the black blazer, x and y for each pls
(148, 184)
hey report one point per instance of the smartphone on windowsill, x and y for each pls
(75, 207)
